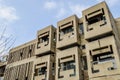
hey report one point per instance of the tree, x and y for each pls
(6, 42)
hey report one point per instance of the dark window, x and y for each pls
(83, 47)
(44, 39)
(81, 28)
(30, 52)
(21, 55)
(54, 37)
(42, 71)
(103, 57)
(66, 30)
(53, 69)
(26, 78)
(95, 19)
(84, 58)
(68, 65)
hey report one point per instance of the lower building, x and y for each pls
(20, 62)
(3, 63)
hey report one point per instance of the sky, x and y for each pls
(23, 18)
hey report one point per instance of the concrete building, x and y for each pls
(3, 63)
(86, 48)
(45, 54)
(20, 62)
(68, 53)
(103, 45)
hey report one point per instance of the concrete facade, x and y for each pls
(68, 53)
(103, 45)
(86, 48)
(3, 63)
(20, 62)
(45, 54)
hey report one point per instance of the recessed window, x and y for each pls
(26, 78)
(83, 47)
(30, 53)
(44, 39)
(84, 58)
(100, 58)
(42, 71)
(53, 69)
(21, 55)
(95, 19)
(81, 28)
(68, 65)
(66, 30)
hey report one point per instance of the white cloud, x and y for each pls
(50, 5)
(61, 13)
(110, 2)
(7, 13)
(77, 9)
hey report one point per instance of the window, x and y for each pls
(95, 19)
(103, 57)
(54, 39)
(84, 58)
(68, 65)
(41, 71)
(30, 53)
(81, 28)
(43, 39)
(26, 78)
(100, 58)
(83, 47)
(66, 30)
(53, 69)
(21, 54)
(2, 69)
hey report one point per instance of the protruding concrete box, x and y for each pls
(103, 58)
(68, 64)
(46, 40)
(98, 21)
(68, 32)
(44, 68)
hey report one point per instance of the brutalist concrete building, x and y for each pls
(86, 48)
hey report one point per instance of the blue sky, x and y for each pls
(24, 17)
